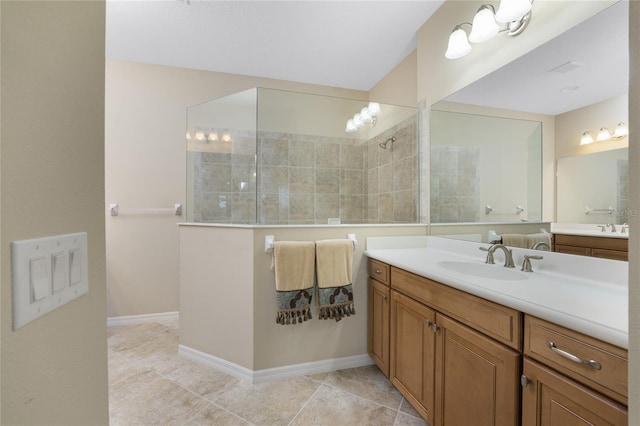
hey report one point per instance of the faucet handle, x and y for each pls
(526, 264)
(602, 228)
(489, 259)
(624, 228)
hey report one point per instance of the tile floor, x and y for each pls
(150, 384)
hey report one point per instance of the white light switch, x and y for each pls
(60, 271)
(38, 279)
(46, 274)
(75, 267)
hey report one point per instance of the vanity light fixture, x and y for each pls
(367, 115)
(514, 13)
(621, 131)
(211, 136)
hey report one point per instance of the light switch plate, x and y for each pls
(46, 274)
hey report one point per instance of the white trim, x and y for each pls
(277, 373)
(142, 319)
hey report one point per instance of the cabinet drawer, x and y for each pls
(496, 321)
(569, 347)
(581, 251)
(378, 270)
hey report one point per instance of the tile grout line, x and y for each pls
(320, 384)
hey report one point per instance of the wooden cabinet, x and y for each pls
(378, 314)
(571, 378)
(442, 365)
(413, 352)
(458, 359)
(476, 380)
(551, 399)
(604, 247)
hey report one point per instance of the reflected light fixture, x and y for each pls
(514, 13)
(367, 115)
(621, 131)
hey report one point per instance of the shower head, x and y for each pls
(383, 145)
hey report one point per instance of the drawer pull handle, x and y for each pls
(378, 271)
(590, 362)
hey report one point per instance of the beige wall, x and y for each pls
(399, 87)
(146, 167)
(571, 125)
(54, 369)
(634, 229)
(228, 297)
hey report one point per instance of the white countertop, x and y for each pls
(588, 229)
(589, 295)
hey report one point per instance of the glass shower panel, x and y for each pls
(291, 160)
(221, 160)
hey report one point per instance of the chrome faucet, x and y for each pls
(624, 229)
(508, 258)
(526, 263)
(613, 227)
(540, 244)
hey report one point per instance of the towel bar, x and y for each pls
(114, 210)
(270, 239)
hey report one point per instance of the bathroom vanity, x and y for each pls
(471, 343)
(590, 240)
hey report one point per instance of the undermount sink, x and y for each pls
(482, 270)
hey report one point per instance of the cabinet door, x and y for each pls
(378, 325)
(412, 352)
(551, 399)
(476, 378)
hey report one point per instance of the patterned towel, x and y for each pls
(293, 262)
(334, 260)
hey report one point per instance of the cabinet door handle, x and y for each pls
(384, 297)
(524, 381)
(435, 327)
(590, 362)
(428, 322)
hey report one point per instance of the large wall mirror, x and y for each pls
(586, 65)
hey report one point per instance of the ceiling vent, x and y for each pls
(566, 67)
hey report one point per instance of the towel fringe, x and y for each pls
(293, 316)
(336, 312)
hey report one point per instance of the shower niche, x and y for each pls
(274, 157)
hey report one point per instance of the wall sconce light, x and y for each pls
(621, 131)
(367, 115)
(514, 13)
(211, 136)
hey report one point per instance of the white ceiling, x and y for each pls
(600, 45)
(355, 43)
(348, 44)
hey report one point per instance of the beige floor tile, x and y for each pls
(273, 403)
(367, 382)
(213, 415)
(160, 401)
(407, 420)
(331, 406)
(407, 408)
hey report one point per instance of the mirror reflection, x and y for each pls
(581, 70)
(593, 188)
(484, 168)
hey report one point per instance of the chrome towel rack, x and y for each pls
(269, 240)
(115, 210)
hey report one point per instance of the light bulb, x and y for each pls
(200, 135)
(620, 132)
(603, 134)
(226, 137)
(374, 108)
(458, 44)
(357, 120)
(365, 115)
(212, 137)
(484, 25)
(512, 10)
(586, 139)
(350, 126)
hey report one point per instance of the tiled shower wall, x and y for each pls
(455, 184)
(305, 179)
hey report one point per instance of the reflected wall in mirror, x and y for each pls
(593, 188)
(484, 168)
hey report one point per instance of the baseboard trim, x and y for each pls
(142, 319)
(277, 373)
